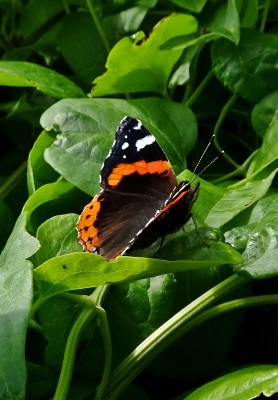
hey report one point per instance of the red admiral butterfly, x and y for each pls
(140, 199)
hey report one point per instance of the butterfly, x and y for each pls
(140, 199)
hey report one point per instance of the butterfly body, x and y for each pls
(140, 198)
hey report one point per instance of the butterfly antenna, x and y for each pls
(216, 158)
(198, 163)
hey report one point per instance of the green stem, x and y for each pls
(69, 357)
(105, 332)
(241, 170)
(13, 180)
(233, 305)
(98, 26)
(129, 368)
(91, 310)
(218, 124)
(264, 15)
(199, 89)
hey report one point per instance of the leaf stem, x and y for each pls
(98, 26)
(70, 351)
(218, 124)
(90, 311)
(105, 332)
(172, 329)
(238, 304)
(198, 90)
(13, 180)
(264, 15)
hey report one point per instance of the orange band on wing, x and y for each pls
(87, 232)
(141, 167)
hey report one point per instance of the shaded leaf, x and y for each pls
(192, 5)
(223, 20)
(38, 13)
(78, 36)
(250, 69)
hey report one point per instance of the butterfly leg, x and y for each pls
(198, 231)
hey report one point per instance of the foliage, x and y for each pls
(185, 319)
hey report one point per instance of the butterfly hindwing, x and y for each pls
(137, 180)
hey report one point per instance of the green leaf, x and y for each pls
(16, 297)
(148, 69)
(238, 199)
(7, 222)
(36, 205)
(84, 270)
(130, 323)
(88, 127)
(268, 152)
(26, 74)
(57, 316)
(128, 20)
(62, 230)
(249, 11)
(38, 171)
(37, 14)
(246, 383)
(223, 20)
(259, 239)
(250, 69)
(78, 36)
(264, 112)
(192, 5)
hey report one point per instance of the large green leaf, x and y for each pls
(249, 69)
(26, 74)
(148, 69)
(244, 384)
(83, 270)
(16, 296)
(88, 126)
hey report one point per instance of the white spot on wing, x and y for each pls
(141, 143)
(138, 126)
(125, 145)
